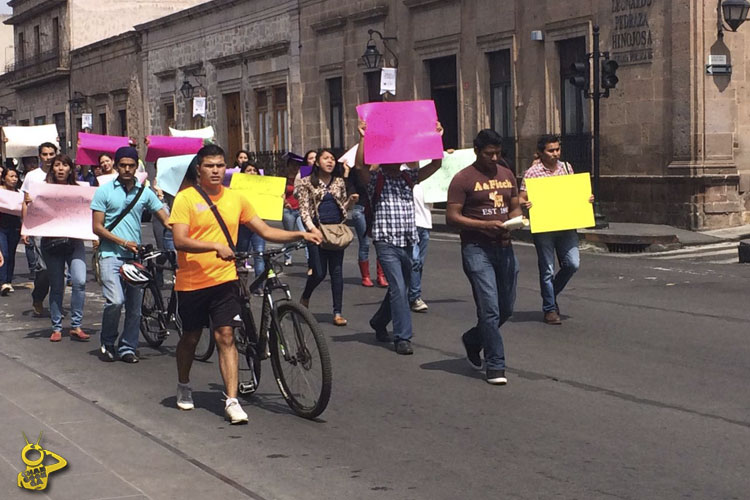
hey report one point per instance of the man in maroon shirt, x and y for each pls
(481, 198)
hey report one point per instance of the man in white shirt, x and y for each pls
(47, 153)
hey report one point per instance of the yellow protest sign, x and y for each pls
(560, 202)
(265, 193)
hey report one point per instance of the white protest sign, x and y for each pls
(59, 210)
(25, 141)
(11, 202)
(202, 133)
(349, 157)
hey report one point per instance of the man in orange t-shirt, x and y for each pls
(207, 278)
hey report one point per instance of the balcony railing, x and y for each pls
(35, 64)
(270, 161)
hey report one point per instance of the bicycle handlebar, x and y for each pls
(240, 256)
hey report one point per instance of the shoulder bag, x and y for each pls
(335, 236)
(97, 253)
(219, 219)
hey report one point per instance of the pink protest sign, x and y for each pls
(59, 210)
(11, 202)
(90, 146)
(400, 132)
(160, 146)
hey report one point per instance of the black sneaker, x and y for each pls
(381, 333)
(496, 377)
(108, 353)
(129, 357)
(473, 355)
(403, 347)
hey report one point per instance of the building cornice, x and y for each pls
(369, 15)
(333, 23)
(40, 8)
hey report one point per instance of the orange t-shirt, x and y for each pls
(202, 270)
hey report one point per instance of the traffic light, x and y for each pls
(580, 72)
(609, 76)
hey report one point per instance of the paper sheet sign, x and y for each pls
(436, 186)
(201, 133)
(90, 146)
(388, 80)
(265, 193)
(400, 132)
(350, 156)
(560, 202)
(59, 210)
(11, 202)
(170, 172)
(25, 141)
(199, 106)
(161, 146)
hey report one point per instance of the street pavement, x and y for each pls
(641, 394)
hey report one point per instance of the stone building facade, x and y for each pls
(37, 87)
(673, 145)
(288, 75)
(242, 56)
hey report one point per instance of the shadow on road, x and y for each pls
(531, 317)
(367, 338)
(454, 366)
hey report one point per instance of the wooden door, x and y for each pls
(234, 124)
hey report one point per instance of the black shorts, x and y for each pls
(220, 304)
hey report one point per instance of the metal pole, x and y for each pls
(599, 219)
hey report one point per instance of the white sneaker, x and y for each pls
(419, 305)
(184, 397)
(234, 413)
(5, 289)
(288, 261)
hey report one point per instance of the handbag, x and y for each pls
(335, 236)
(98, 252)
(57, 246)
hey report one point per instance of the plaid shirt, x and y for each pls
(394, 214)
(537, 169)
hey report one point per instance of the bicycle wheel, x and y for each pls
(247, 345)
(153, 325)
(300, 360)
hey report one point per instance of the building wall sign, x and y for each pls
(632, 41)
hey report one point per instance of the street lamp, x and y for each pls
(733, 12)
(372, 56)
(188, 89)
(77, 102)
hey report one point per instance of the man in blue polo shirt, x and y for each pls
(117, 246)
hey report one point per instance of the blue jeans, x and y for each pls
(492, 271)
(293, 222)
(396, 263)
(118, 293)
(565, 245)
(321, 261)
(9, 238)
(247, 239)
(76, 262)
(418, 255)
(360, 227)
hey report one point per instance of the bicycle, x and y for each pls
(156, 320)
(288, 334)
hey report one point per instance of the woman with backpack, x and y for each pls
(323, 203)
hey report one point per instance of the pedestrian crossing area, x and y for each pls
(717, 253)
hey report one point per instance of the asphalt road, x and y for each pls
(641, 393)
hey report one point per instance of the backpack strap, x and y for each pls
(219, 219)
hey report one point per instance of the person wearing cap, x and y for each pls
(117, 246)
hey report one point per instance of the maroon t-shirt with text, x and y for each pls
(483, 198)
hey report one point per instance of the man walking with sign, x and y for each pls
(562, 243)
(481, 198)
(394, 232)
(117, 208)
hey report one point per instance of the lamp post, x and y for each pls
(76, 102)
(372, 56)
(733, 12)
